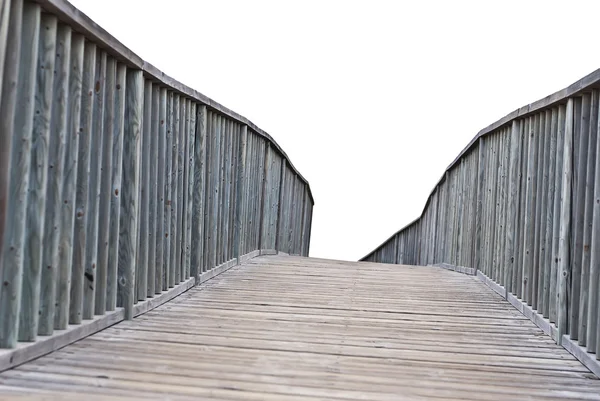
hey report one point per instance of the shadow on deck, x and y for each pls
(291, 328)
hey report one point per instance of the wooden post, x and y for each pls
(36, 203)
(588, 221)
(560, 138)
(529, 223)
(174, 264)
(83, 173)
(511, 221)
(10, 33)
(97, 130)
(564, 265)
(168, 173)
(145, 193)
(593, 287)
(105, 187)
(61, 316)
(131, 180)
(548, 257)
(199, 189)
(580, 137)
(17, 225)
(155, 286)
(544, 269)
(56, 160)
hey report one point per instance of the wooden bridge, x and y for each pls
(154, 244)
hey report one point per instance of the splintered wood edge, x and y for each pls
(580, 353)
(27, 351)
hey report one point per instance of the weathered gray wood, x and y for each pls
(565, 244)
(83, 173)
(155, 285)
(100, 281)
(549, 259)
(529, 222)
(142, 268)
(581, 132)
(208, 194)
(189, 203)
(523, 140)
(36, 203)
(10, 49)
(511, 222)
(179, 273)
(558, 174)
(148, 274)
(225, 205)
(167, 193)
(537, 207)
(174, 263)
(588, 219)
(4, 23)
(89, 282)
(220, 179)
(543, 268)
(215, 190)
(198, 194)
(134, 103)
(61, 316)
(56, 159)
(116, 192)
(13, 247)
(593, 307)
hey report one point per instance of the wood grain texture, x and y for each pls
(95, 178)
(10, 49)
(335, 337)
(82, 216)
(61, 315)
(155, 279)
(134, 103)
(56, 164)
(36, 203)
(104, 216)
(197, 226)
(13, 246)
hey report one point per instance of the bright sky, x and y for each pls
(370, 99)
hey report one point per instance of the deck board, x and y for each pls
(291, 328)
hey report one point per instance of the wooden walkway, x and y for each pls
(291, 328)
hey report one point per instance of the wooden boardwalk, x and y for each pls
(291, 328)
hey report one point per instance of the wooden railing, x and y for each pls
(118, 183)
(521, 205)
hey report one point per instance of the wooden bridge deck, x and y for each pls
(290, 328)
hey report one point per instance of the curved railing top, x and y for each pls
(82, 23)
(590, 81)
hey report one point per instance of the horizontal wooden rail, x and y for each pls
(521, 205)
(119, 184)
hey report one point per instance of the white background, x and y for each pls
(371, 100)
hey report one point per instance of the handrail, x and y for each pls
(119, 186)
(520, 205)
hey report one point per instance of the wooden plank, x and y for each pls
(10, 31)
(61, 316)
(105, 187)
(148, 276)
(174, 232)
(581, 131)
(588, 219)
(330, 345)
(554, 279)
(116, 192)
(144, 218)
(91, 252)
(56, 160)
(166, 272)
(551, 184)
(36, 202)
(240, 196)
(82, 187)
(14, 243)
(155, 285)
(134, 103)
(198, 194)
(190, 181)
(565, 245)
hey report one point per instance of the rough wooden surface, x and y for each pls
(290, 328)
